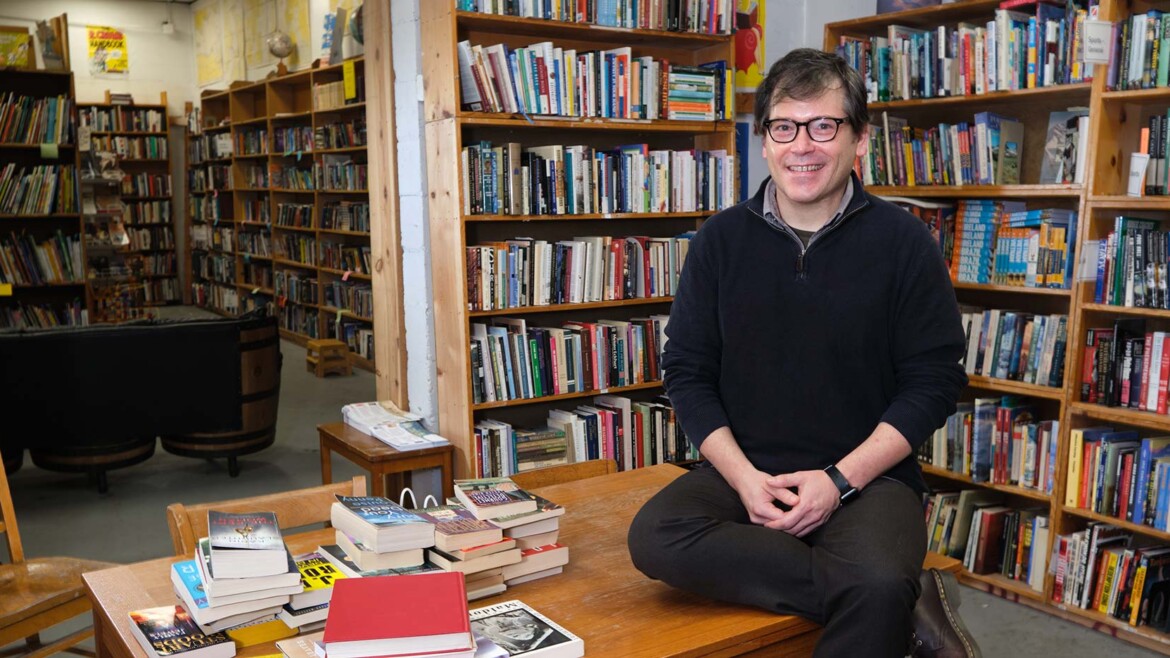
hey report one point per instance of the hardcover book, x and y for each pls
(170, 631)
(244, 545)
(457, 528)
(522, 631)
(381, 524)
(392, 615)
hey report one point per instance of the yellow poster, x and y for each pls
(107, 50)
(749, 44)
(208, 44)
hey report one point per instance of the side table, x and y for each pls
(389, 468)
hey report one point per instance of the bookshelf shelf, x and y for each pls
(352, 275)
(1015, 290)
(1002, 582)
(490, 119)
(1016, 388)
(1146, 530)
(1116, 202)
(556, 308)
(1124, 416)
(979, 191)
(1022, 492)
(565, 396)
(1155, 313)
(451, 129)
(33, 147)
(1057, 94)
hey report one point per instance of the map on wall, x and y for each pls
(259, 22)
(208, 43)
(296, 26)
(233, 41)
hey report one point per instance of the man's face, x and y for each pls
(808, 174)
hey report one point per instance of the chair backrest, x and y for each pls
(301, 507)
(8, 520)
(543, 477)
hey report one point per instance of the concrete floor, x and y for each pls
(63, 514)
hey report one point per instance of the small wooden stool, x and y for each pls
(327, 357)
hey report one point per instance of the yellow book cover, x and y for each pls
(1075, 452)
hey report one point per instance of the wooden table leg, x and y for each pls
(99, 634)
(326, 462)
(377, 483)
(448, 470)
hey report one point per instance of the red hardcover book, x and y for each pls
(387, 615)
(989, 550)
(1146, 355)
(1164, 376)
(1124, 486)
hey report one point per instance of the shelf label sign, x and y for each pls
(5, 289)
(1098, 38)
(48, 150)
(349, 80)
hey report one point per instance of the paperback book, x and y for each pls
(522, 631)
(217, 587)
(457, 528)
(170, 631)
(381, 524)
(318, 576)
(244, 545)
(490, 498)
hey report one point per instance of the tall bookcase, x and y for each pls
(1115, 121)
(449, 129)
(53, 226)
(148, 270)
(280, 205)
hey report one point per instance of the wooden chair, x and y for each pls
(38, 593)
(294, 509)
(543, 477)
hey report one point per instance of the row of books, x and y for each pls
(250, 140)
(161, 264)
(566, 180)
(1119, 474)
(1101, 568)
(147, 212)
(209, 178)
(213, 237)
(1004, 243)
(151, 237)
(215, 146)
(1014, 50)
(1015, 345)
(300, 248)
(295, 215)
(290, 285)
(23, 315)
(546, 79)
(206, 293)
(346, 258)
(358, 299)
(208, 209)
(213, 267)
(1126, 365)
(122, 119)
(254, 244)
(341, 134)
(134, 148)
(631, 432)
(38, 190)
(146, 184)
(161, 291)
(332, 96)
(32, 120)
(1141, 53)
(358, 336)
(999, 440)
(525, 272)
(1010, 542)
(287, 140)
(350, 216)
(300, 320)
(986, 151)
(702, 16)
(511, 361)
(26, 262)
(1131, 264)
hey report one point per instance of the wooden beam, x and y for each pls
(385, 229)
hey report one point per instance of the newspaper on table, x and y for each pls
(384, 421)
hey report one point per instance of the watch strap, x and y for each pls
(846, 490)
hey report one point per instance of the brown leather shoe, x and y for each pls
(938, 630)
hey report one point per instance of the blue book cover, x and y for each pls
(1151, 449)
(188, 574)
(379, 511)
(983, 434)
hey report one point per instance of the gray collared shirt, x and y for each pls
(772, 213)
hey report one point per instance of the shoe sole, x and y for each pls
(948, 590)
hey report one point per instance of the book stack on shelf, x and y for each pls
(42, 255)
(306, 611)
(280, 167)
(588, 160)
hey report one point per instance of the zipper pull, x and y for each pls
(800, 263)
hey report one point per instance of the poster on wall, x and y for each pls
(107, 50)
(749, 45)
(208, 43)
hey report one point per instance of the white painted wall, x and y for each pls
(158, 62)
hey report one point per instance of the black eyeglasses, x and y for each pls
(820, 129)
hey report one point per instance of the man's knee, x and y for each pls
(883, 591)
(645, 540)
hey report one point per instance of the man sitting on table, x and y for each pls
(813, 345)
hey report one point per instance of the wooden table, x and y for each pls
(600, 596)
(389, 468)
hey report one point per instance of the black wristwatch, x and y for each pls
(848, 491)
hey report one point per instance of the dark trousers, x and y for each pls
(857, 575)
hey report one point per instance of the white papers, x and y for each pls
(384, 421)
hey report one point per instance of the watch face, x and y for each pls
(848, 494)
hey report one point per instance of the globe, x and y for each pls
(279, 44)
(355, 25)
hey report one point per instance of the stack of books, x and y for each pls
(531, 522)
(376, 535)
(241, 573)
(391, 615)
(307, 611)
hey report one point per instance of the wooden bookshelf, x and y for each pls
(56, 299)
(1115, 120)
(286, 134)
(450, 128)
(148, 267)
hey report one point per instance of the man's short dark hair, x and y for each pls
(806, 73)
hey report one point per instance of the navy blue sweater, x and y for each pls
(803, 355)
